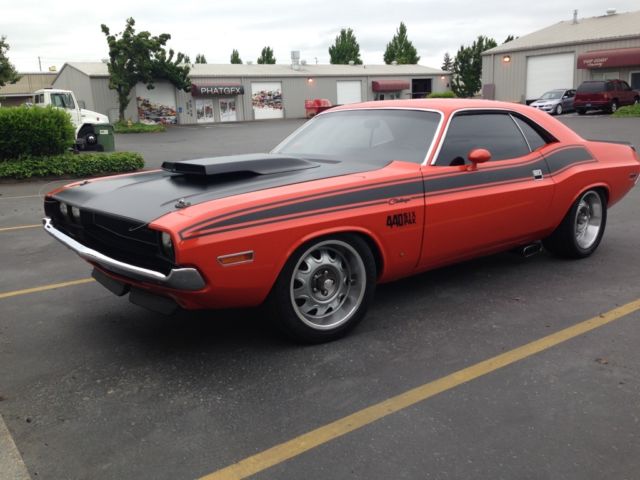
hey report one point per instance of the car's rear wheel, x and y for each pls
(324, 288)
(558, 110)
(581, 111)
(613, 107)
(636, 100)
(582, 228)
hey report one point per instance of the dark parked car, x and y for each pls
(556, 101)
(604, 95)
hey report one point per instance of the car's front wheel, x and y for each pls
(582, 228)
(558, 109)
(324, 288)
(581, 111)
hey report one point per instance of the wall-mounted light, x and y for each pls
(506, 59)
(309, 80)
(443, 78)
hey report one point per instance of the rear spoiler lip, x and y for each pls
(617, 142)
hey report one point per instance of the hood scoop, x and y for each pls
(256, 164)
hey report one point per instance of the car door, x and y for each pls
(474, 210)
(567, 100)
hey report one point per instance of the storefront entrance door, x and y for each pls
(204, 110)
(228, 110)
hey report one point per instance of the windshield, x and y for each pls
(373, 136)
(552, 95)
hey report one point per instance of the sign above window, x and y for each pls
(219, 90)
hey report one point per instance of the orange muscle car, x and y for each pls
(358, 195)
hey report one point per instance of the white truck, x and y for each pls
(83, 120)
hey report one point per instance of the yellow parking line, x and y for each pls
(292, 448)
(19, 227)
(43, 288)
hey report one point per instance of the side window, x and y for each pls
(625, 85)
(534, 139)
(68, 100)
(496, 132)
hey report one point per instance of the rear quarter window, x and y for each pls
(591, 87)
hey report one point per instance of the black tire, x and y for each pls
(613, 107)
(636, 100)
(581, 230)
(581, 111)
(558, 109)
(314, 267)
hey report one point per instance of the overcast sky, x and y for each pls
(69, 30)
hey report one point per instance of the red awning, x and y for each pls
(621, 57)
(390, 85)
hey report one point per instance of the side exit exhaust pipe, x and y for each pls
(531, 250)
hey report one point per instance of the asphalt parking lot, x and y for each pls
(498, 368)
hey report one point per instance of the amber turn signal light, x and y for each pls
(235, 258)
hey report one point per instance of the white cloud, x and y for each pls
(69, 30)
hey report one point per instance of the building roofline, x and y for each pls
(500, 50)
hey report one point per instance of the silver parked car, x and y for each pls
(556, 102)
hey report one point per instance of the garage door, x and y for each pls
(548, 72)
(349, 92)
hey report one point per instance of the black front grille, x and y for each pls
(119, 238)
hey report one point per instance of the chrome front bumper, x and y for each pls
(178, 278)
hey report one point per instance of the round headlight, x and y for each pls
(64, 209)
(75, 213)
(167, 244)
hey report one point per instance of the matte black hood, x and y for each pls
(147, 196)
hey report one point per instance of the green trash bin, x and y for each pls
(105, 136)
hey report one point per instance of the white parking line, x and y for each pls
(11, 464)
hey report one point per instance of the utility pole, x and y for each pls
(39, 63)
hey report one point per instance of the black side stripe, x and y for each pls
(554, 162)
(296, 217)
(566, 157)
(349, 198)
(289, 201)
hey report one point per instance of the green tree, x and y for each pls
(345, 49)
(200, 58)
(509, 38)
(141, 57)
(8, 72)
(266, 56)
(467, 67)
(400, 49)
(447, 63)
(235, 57)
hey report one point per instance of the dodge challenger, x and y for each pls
(359, 195)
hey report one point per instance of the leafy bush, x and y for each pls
(72, 164)
(628, 111)
(31, 131)
(447, 94)
(122, 127)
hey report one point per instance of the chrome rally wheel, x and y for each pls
(588, 219)
(324, 288)
(328, 284)
(582, 228)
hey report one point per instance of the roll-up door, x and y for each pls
(349, 92)
(549, 72)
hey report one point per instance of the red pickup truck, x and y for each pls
(604, 95)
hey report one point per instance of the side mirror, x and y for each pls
(565, 96)
(479, 155)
